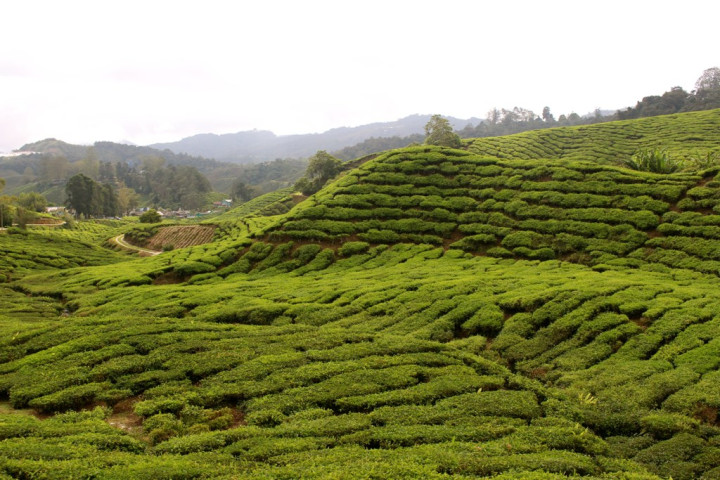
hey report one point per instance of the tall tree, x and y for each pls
(493, 116)
(108, 200)
(707, 90)
(82, 196)
(709, 80)
(127, 199)
(438, 131)
(547, 116)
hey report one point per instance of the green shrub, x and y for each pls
(192, 268)
(70, 398)
(503, 403)
(665, 425)
(486, 321)
(353, 248)
(151, 216)
(380, 236)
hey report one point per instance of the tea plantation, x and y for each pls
(432, 313)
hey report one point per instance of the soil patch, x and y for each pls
(124, 418)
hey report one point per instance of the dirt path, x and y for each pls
(120, 240)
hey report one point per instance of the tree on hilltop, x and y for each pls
(321, 168)
(707, 90)
(709, 80)
(438, 131)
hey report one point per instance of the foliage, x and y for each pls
(241, 191)
(321, 167)
(656, 161)
(439, 132)
(89, 198)
(706, 96)
(32, 201)
(704, 161)
(709, 80)
(264, 177)
(151, 216)
(377, 144)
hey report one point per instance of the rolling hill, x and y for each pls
(524, 308)
(682, 134)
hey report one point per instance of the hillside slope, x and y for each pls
(534, 209)
(682, 134)
(433, 313)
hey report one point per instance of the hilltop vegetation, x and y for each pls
(521, 309)
(682, 135)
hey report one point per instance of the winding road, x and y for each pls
(120, 240)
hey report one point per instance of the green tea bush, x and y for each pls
(502, 403)
(70, 398)
(665, 425)
(193, 268)
(353, 248)
(380, 236)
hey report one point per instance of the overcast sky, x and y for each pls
(153, 71)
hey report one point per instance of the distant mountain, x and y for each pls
(31, 171)
(113, 152)
(262, 145)
(27, 169)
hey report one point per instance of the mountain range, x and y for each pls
(263, 145)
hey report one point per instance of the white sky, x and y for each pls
(154, 71)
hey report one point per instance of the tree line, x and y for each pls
(173, 186)
(502, 121)
(120, 186)
(705, 96)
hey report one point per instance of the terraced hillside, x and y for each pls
(534, 209)
(432, 314)
(181, 236)
(55, 248)
(682, 134)
(252, 215)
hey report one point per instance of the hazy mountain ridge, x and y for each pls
(261, 145)
(112, 152)
(23, 172)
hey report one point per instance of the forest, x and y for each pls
(540, 305)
